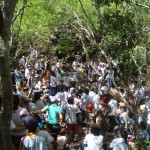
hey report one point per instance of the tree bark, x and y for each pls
(6, 100)
(6, 15)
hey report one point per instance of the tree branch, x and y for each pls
(20, 11)
(87, 15)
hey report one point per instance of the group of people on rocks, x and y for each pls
(48, 98)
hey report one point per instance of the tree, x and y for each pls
(7, 9)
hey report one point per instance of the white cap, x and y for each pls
(53, 98)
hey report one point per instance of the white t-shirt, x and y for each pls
(93, 142)
(140, 93)
(52, 81)
(36, 141)
(113, 104)
(147, 105)
(58, 79)
(62, 99)
(148, 118)
(92, 94)
(96, 101)
(66, 80)
(85, 100)
(118, 144)
(74, 65)
(67, 94)
(27, 73)
(78, 103)
(123, 116)
(104, 89)
(70, 116)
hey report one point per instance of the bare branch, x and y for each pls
(87, 15)
(20, 10)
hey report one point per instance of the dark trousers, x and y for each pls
(53, 130)
(16, 141)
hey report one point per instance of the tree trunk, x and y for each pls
(6, 15)
(6, 100)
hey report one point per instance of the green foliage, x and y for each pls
(121, 29)
(142, 143)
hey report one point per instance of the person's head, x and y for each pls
(37, 96)
(24, 100)
(52, 73)
(86, 91)
(120, 132)
(130, 114)
(66, 88)
(30, 123)
(89, 107)
(46, 100)
(76, 95)
(95, 129)
(70, 100)
(117, 132)
(16, 102)
(17, 67)
(143, 83)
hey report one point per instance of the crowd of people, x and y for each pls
(48, 98)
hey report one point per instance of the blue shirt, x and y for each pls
(16, 75)
(53, 113)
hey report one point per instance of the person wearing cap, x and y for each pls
(54, 117)
(36, 139)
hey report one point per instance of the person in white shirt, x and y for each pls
(53, 83)
(148, 125)
(93, 140)
(112, 104)
(75, 65)
(70, 116)
(36, 139)
(58, 80)
(119, 143)
(27, 72)
(104, 88)
(92, 94)
(96, 101)
(66, 80)
(61, 97)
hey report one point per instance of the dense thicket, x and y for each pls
(65, 28)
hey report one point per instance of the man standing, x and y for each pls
(54, 116)
(18, 77)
